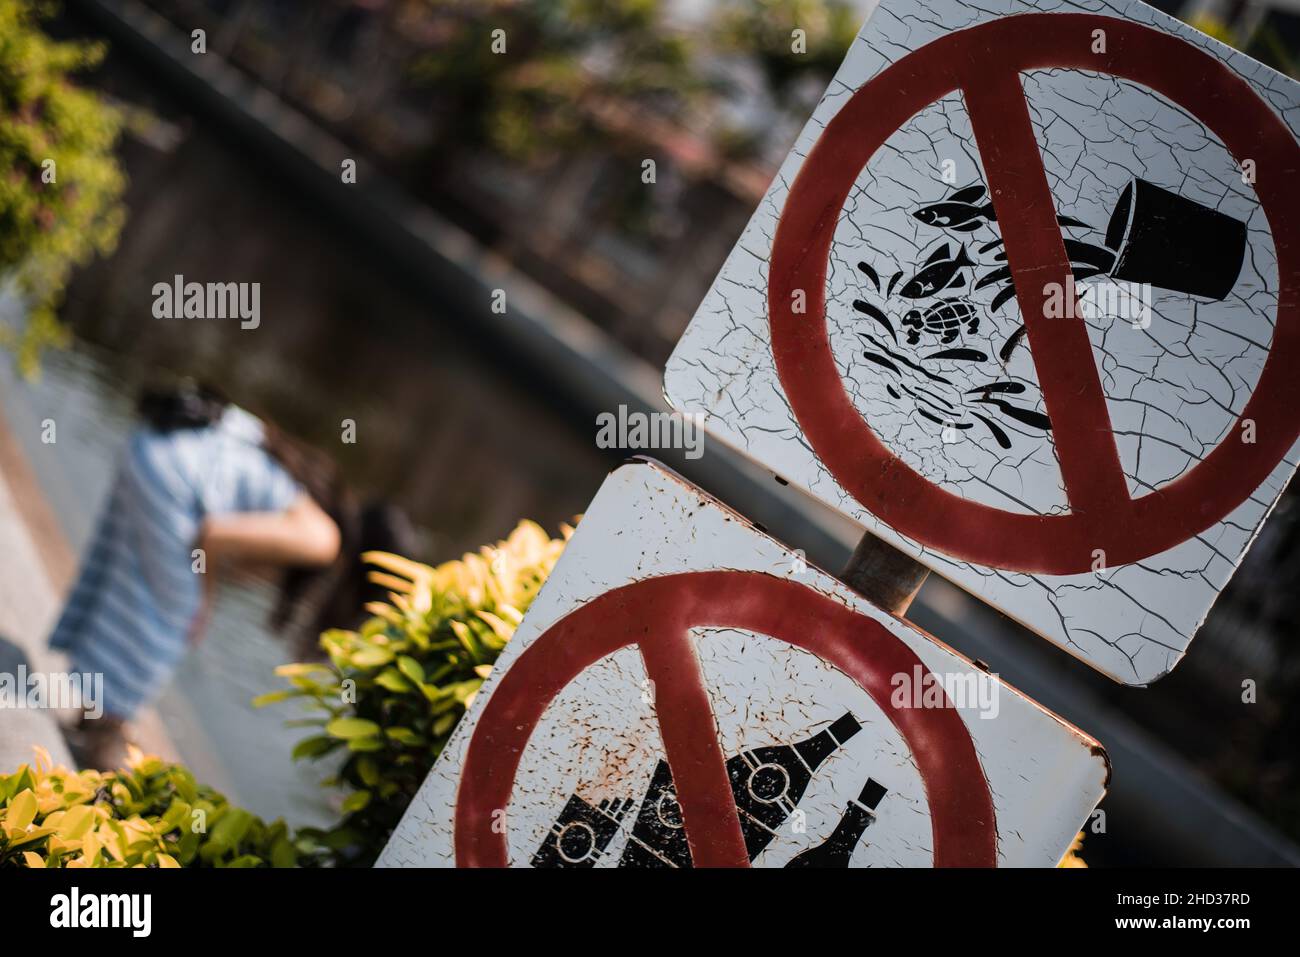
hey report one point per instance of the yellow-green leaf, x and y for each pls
(76, 821)
(271, 697)
(24, 838)
(356, 801)
(398, 565)
(314, 747)
(503, 630)
(368, 771)
(444, 724)
(113, 840)
(463, 635)
(348, 728)
(371, 657)
(22, 811)
(411, 668)
(392, 680)
(300, 668)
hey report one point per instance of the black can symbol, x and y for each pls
(1174, 243)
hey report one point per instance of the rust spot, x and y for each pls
(1097, 751)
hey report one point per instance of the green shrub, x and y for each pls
(48, 228)
(393, 691)
(149, 814)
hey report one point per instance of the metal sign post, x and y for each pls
(883, 575)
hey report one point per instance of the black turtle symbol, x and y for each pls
(943, 319)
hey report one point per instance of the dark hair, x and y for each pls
(188, 405)
(311, 599)
(314, 599)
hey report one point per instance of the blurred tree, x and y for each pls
(541, 84)
(1260, 38)
(60, 184)
(766, 31)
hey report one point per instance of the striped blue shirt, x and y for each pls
(137, 595)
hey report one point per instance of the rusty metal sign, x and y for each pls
(686, 691)
(1024, 300)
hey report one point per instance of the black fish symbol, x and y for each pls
(939, 272)
(959, 211)
(962, 213)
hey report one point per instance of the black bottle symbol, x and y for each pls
(658, 838)
(837, 849)
(766, 784)
(581, 833)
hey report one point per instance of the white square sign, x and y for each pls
(685, 691)
(1024, 301)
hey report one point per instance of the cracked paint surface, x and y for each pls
(1173, 389)
(599, 738)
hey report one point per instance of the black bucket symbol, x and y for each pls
(1174, 243)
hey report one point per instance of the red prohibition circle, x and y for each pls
(656, 615)
(985, 62)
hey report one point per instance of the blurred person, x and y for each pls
(205, 488)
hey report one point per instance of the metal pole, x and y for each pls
(883, 575)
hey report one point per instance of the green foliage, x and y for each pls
(764, 30)
(1264, 43)
(1213, 26)
(1073, 857)
(571, 69)
(149, 814)
(394, 690)
(48, 228)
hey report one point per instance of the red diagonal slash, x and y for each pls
(1076, 404)
(656, 615)
(985, 62)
